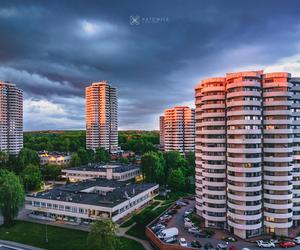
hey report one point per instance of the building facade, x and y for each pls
(178, 131)
(162, 132)
(247, 150)
(119, 172)
(101, 117)
(54, 158)
(11, 118)
(90, 200)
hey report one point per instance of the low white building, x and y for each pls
(90, 200)
(120, 172)
(54, 158)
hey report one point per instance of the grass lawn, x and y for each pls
(59, 238)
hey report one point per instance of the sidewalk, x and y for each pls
(15, 244)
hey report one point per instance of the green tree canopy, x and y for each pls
(11, 195)
(153, 167)
(103, 236)
(50, 171)
(26, 156)
(75, 160)
(32, 177)
(102, 155)
(176, 180)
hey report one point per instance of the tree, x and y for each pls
(11, 196)
(176, 180)
(103, 236)
(32, 177)
(153, 167)
(75, 160)
(124, 160)
(3, 159)
(50, 172)
(26, 156)
(102, 155)
(173, 160)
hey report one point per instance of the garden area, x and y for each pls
(58, 238)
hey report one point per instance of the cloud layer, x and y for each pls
(54, 49)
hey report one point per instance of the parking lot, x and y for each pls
(177, 221)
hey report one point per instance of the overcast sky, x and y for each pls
(154, 52)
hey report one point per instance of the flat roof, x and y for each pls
(100, 167)
(87, 192)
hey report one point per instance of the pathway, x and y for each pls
(18, 245)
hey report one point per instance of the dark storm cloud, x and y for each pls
(53, 49)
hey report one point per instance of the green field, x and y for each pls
(58, 238)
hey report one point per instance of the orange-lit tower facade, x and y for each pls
(178, 131)
(247, 152)
(11, 118)
(101, 117)
(162, 132)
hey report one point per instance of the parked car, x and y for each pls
(172, 212)
(181, 203)
(170, 240)
(275, 241)
(168, 233)
(158, 227)
(286, 244)
(183, 242)
(188, 212)
(245, 248)
(222, 246)
(232, 247)
(196, 244)
(187, 220)
(201, 234)
(297, 240)
(208, 246)
(193, 230)
(266, 244)
(165, 217)
(188, 224)
(177, 206)
(229, 239)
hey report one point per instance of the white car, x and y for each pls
(187, 220)
(183, 242)
(245, 248)
(266, 244)
(193, 230)
(297, 240)
(188, 212)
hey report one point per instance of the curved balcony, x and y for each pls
(278, 215)
(278, 206)
(244, 217)
(243, 226)
(278, 131)
(212, 123)
(213, 201)
(244, 150)
(212, 140)
(213, 106)
(277, 103)
(244, 170)
(243, 131)
(278, 150)
(244, 141)
(211, 149)
(278, 178)
(278, 140)
(278, 159)
(244, 179)
(277, 112)
(213, 89)
(243, 93)
(244, 160)
(278, 188)
(278, 122)
(244, 122)
(243, 103)
(244, 112)
(213, 192)
(213, 157)
(244, 197)
(211, 166)
(243, 84)
(213, 97)
(213, 218)
(214, 175)
(278, 197)
(244, 189)
(213, 183)
(278, 169)
(214, 209)
(278, 225)
(277, 93)
(211, 131)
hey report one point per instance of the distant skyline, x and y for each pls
(153, 52)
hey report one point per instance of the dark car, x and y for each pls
(196, 244)
(201, 234)
(172, 211)
(229, 239)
